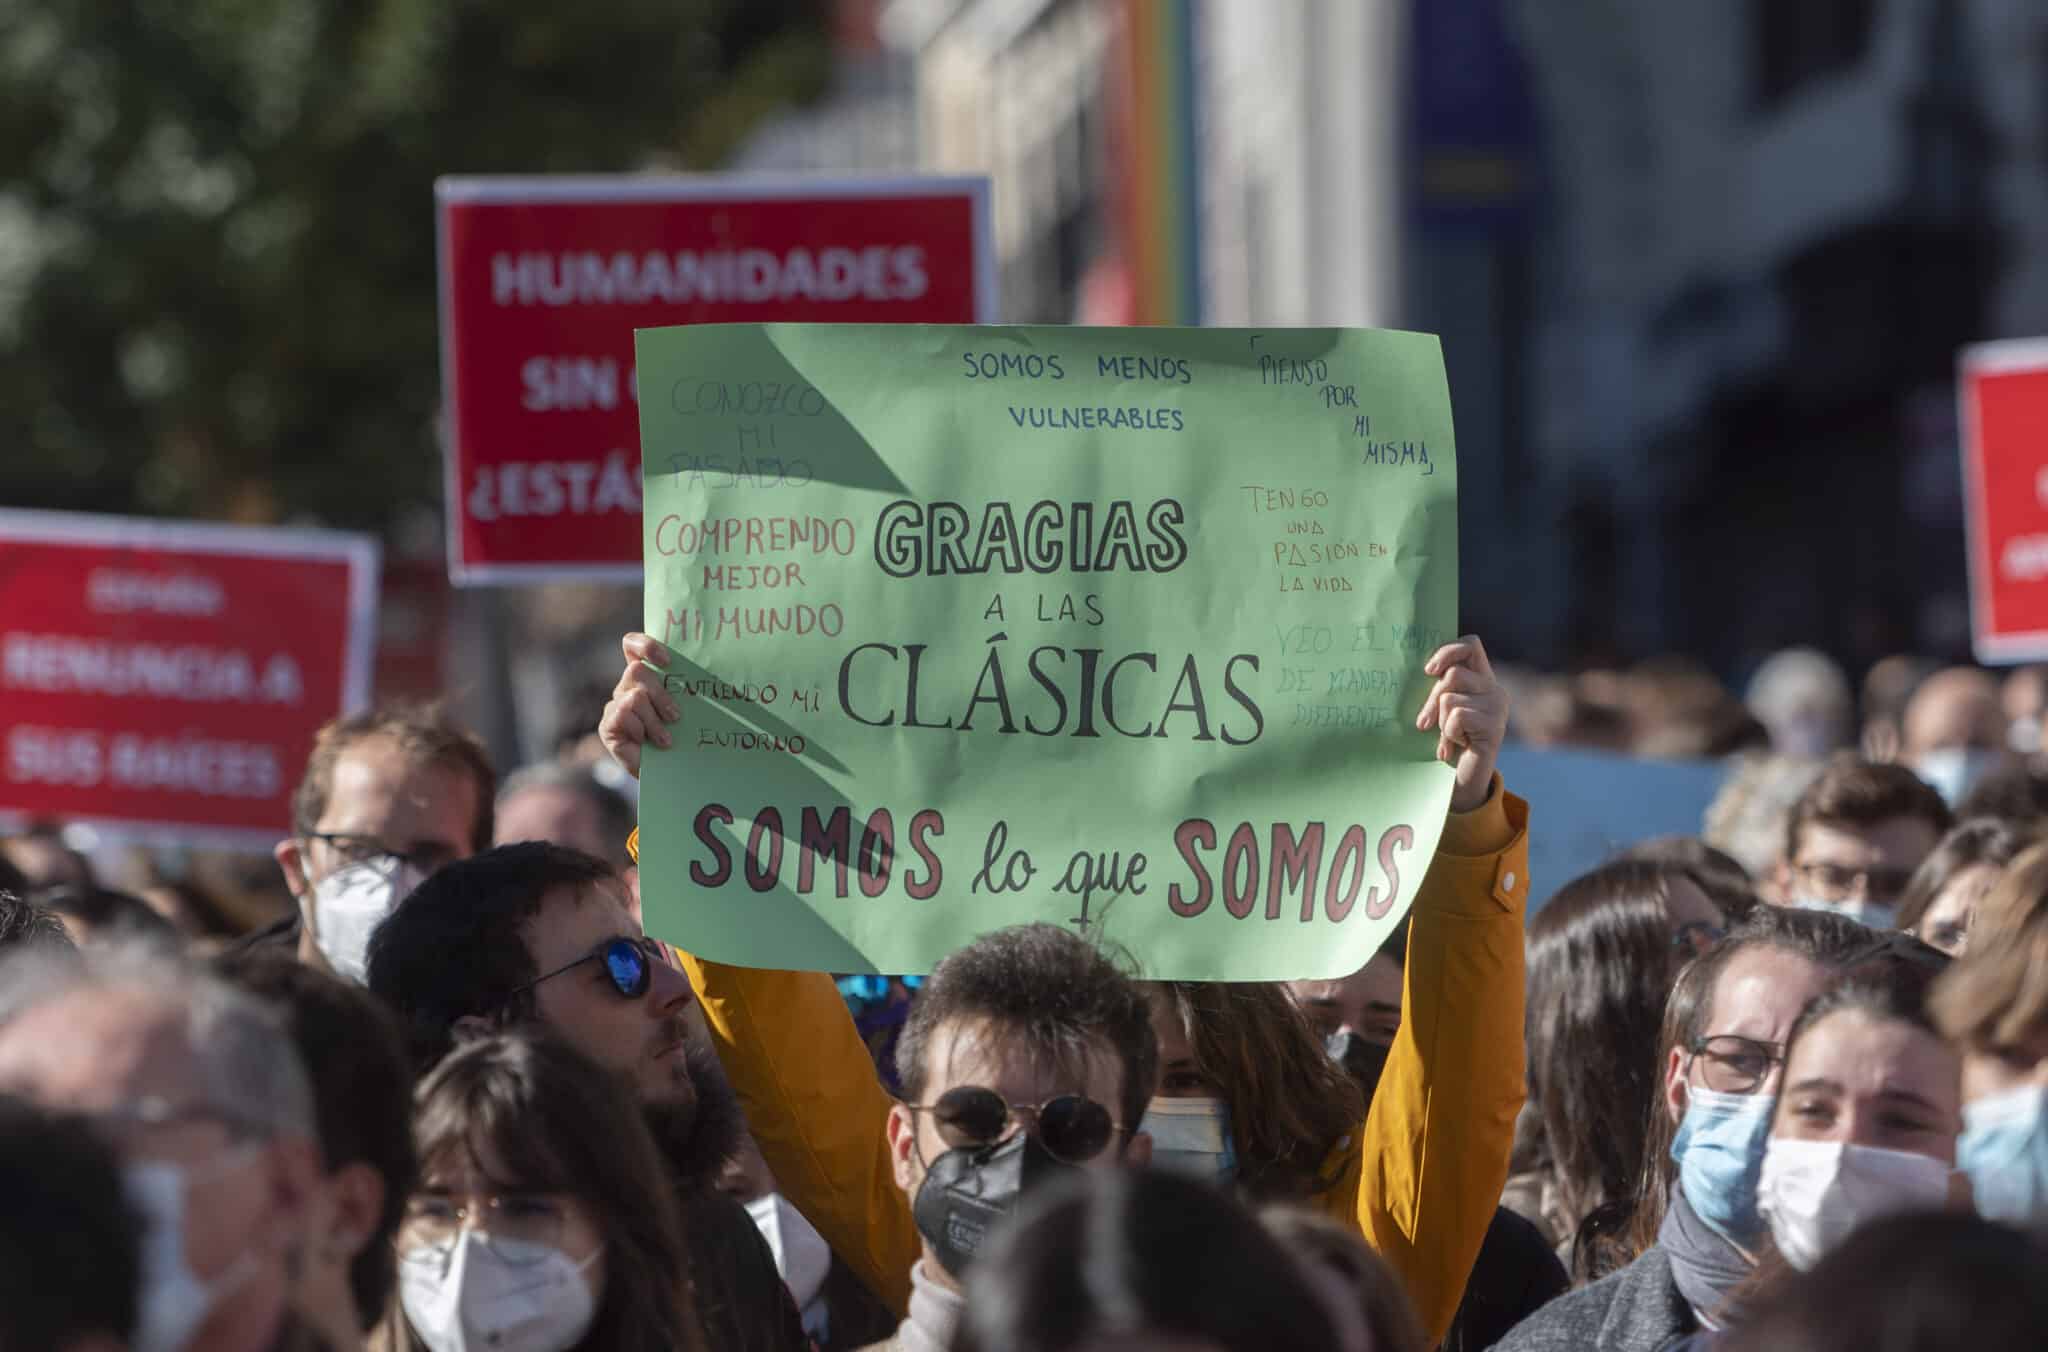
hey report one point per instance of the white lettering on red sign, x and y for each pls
(111, 591)
(58, 664)
(554, 488)
(77, 758)
(880, 272)
(2025, 558)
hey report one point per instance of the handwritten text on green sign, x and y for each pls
(1115, 628)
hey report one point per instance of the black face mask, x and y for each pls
(968, 1189)
(1363, 1061)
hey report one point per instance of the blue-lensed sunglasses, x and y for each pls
(628, 962)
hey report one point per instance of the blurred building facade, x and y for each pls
(1700, 270)
(1769, 229)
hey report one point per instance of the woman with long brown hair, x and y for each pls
(1603, 955)
(542, 1221)
(1247, 1053)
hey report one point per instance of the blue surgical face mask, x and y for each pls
(1719, 1151)
(2004, 1150)
(1191, 1136)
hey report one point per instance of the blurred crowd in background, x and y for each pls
(1975, 734)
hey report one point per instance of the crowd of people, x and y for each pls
(1783, 1084)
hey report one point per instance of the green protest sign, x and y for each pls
(1121, 629)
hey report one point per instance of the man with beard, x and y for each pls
(538, 934)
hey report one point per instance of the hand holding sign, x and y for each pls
(639, 708)
(1469, 707)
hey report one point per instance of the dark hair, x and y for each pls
(120, 914)
(1050, 990)
(1320, 1238)
(1395, 945)
(1854, 793)
(2016, 792)
(559, 1123)
(1926, 1280)
(453, 948)
(1890, 978)
(425, 735)
(1601, 965)
(27, 924)
(70, 1260)
(1985, 840)
(1133, 1251)
(362, 1093)
(1713, 871)
(12, 879)
(1827, 940)
(1289, 1102)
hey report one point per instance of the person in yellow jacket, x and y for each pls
(1422, 1176)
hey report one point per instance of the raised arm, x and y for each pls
(1434, 1151)
(791, 1050)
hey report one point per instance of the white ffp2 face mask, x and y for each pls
(503, 1295)
(1815, 1193)
(349, 904)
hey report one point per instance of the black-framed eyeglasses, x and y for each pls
(1735, 1065)
(1071, 1127)
(355, 849)
(628, 962)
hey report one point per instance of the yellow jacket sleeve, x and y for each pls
(819, 1114)
(808, 1085)
(1424, 1177)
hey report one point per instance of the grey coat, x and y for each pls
(1637, 1309)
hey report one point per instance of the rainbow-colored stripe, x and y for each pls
(1155, 158)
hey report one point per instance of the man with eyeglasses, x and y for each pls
(389, 797)
(535, 933)
(1695, 1226)
(1854, 838)
(197, 1088)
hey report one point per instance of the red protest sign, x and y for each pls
(543, 281)
(167, 679)
(2003, 388)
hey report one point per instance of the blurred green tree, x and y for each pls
(217, 292)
